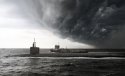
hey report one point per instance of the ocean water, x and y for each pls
(58, 66)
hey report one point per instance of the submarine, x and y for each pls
(34, 50)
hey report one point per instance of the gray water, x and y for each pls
(58, 66)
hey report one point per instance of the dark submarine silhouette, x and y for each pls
(34, 50)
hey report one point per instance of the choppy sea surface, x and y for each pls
(58, 66)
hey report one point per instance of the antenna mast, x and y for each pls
(34, 43)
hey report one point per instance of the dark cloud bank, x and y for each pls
(100, 23)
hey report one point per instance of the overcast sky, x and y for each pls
(17, 31)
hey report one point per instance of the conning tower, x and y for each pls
(34, 50)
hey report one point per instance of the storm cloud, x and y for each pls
(100, 23)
